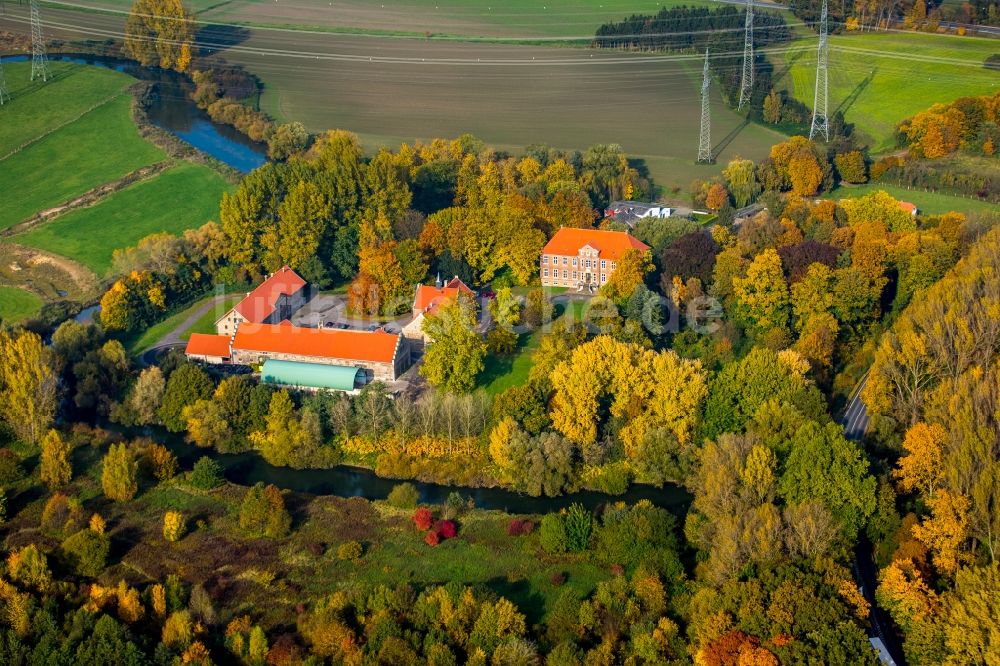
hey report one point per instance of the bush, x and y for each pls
(552, 534)
(578, 524)
(207, 474)
(403, 496)
(431, 538)
(86, 552)
(557, 579)
(423, 518)
(173, 525)
(350, 550)
(62, 515)
(163, 462)
(10, 468)
(454, 506)
(517, 527)
(446, 529)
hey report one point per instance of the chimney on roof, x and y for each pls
(437, 282)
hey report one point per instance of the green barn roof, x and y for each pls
(313, 375)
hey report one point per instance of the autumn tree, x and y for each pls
(146, 396)
(772, 107)
(851, 166)
(741, 176)
(173, 525)
(160, 32)
(922, 467)
(28, 385)
(119, 472)
(717, 196)
(263, 513)
(633, 267)
(455, 357)
(762, 295)
(56, 469)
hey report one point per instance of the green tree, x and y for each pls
(287, 140)
(552, 533)
(87, 552)
(579, 526)
(146, 396)
(303, 218)
(454, 358)
(187, 385)
(826, 466)
(206, 474)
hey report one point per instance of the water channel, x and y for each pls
(347, 481)
(171, 109)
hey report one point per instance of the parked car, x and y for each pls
(343, 325)
(374, 327)
(330, 324)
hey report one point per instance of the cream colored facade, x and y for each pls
(382, 371)
(584, 270)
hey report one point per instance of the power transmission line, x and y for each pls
(746, 85)
(820, 121)
(39, 62)
(4, 94)
(705, 136)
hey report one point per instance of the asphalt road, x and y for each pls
(855, 421)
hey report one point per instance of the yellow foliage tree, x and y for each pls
(921, 468)
(946, 530)
(55, 468)
(173, 525)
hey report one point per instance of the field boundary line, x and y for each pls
(31, 142)
(90, 198)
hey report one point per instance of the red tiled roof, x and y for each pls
(429, 298)
(284, 338)
(260, 303)
(907, 207)
(202, 344)
(609, 244)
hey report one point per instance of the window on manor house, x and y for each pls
(545, 272)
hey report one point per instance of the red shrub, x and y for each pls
(617, 570)
(446, 529)
(557, 579)
(518, 527)
(423, 518)
(431, 539)
(527, 527)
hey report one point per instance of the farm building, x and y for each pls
(428, 299)
(208, 348)
(584, 258)
(273, 301)
(312, 375)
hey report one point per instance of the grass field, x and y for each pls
(505, 19)
(510, 96)
(80, 149)
(878, 79)
(17, 304)
(931, 203)
(37, 107)
(183, 197)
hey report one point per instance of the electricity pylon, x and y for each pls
(39, 62)
(820, 121)
(4, 95)
(705, 137)
(746, 85)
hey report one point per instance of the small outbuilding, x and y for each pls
(312, 375)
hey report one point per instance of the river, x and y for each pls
(172, 110)
(346, 481)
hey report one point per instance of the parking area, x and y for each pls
(330, 311)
